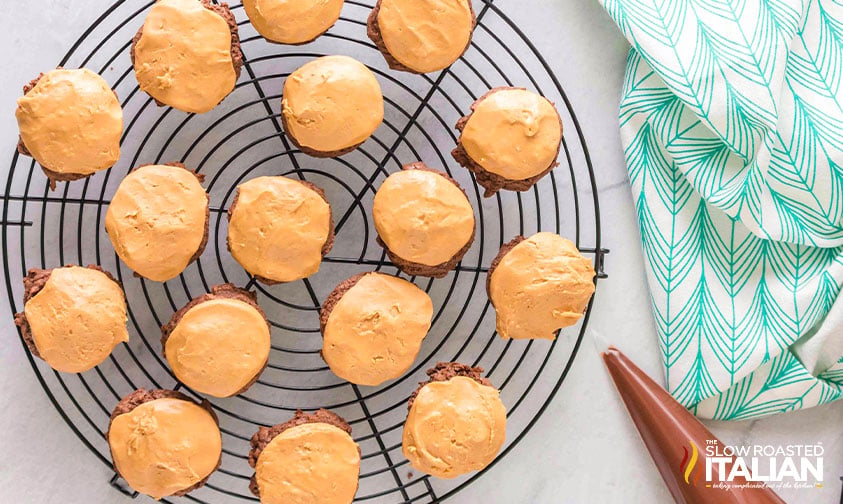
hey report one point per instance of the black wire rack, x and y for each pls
(242, 139)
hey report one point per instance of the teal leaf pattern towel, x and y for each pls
(732, 125)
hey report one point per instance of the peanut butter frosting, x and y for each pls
(219, 346)
(375, 330)
(183, 58)
(541, 285)
(312, 463)
(71, 122)
(77, 318)
(157, 220)
(513, 133)
(331, 104)
(422, 216)
(425, 35)
(278, 228)
(165, 446)
(454, 427)
(292, 21)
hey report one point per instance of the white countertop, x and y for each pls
(584, 448)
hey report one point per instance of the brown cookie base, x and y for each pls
(373, 30)
(493, 182)
(32, 284)
(52, 176)
(201, 178)
(444, 371)
(141, 396)
(307, 150)
(329, 242)
(505, 248)
(418, 269)
(222, 291)
(224, 12)
(266, 434)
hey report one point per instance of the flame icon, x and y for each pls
(691, 464)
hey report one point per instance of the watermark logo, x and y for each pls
(753, 466)
(689, 463)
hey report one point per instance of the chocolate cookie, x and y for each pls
(424, 220)
(329, 472)
(282, 230)
(79, 316)
(372, 327)
(328, 117)
(292, 22)
(80, 140)
(539, 285)
(141, 457)
(444, 371)
(456, 422)
(227, 360)
(185, 40)
(158, 220)
(510, 140)
(421, 37)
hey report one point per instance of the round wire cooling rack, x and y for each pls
(242, 139)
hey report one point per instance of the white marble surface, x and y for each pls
(584, 449)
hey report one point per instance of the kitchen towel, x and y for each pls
(732, 126)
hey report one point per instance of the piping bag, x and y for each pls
(677, 441)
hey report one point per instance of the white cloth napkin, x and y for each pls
(732, 124)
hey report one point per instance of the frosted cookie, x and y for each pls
(72, 317)
(373, 326)
(292, 21)
(424, 220)
(331, 105)
(421, 36)
(71, 122)
(157, 220)
(164, 444)
(456, 422)
(187, 54)
(510, 140)
(279, 229)
(539, 285)
(309, 459)
(218, 344)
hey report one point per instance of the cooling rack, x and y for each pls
(242, 139)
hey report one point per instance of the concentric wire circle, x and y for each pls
(242, 139)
